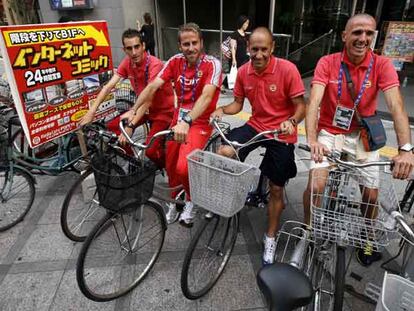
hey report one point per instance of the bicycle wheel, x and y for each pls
(80, 209)
(120, 251)
(16, 196)
(207, 255)
(328, 279)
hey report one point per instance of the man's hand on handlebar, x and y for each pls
(180, 131)
(122, 139)
(217, 114)
(129, 115)
(318, 150)
(287, 127)
(403, 165)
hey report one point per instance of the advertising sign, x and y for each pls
(399, 41)
(55, 72)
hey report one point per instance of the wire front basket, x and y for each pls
(122, 182)
(340, 214)
(397, 294)
(219, 184)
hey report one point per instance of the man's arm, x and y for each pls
(289, 125)
(311, 122)
(404, 161)
(181, 128)
(88, 117)
(234, 107)
(145, 97)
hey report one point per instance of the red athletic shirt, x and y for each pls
(383, 76)
(209, 72)
(270, 94)
(163, 103)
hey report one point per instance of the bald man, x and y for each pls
(337, 126)
(275, 91)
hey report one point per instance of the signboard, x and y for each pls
(399, 41)
(71, 4)
(55, 72)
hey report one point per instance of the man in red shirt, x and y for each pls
(369, 73)
(275, 91)
(197, 79)
(140, 68)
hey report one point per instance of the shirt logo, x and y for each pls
(199, 74)
(272, 87)
(368, 84)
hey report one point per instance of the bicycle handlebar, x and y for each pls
(403, 224)
(334, 156)
(274, 132)
(140, 145)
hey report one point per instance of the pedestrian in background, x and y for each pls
(147, 33)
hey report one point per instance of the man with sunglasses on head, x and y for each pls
(140, 68)
(197, 80)
(340, 105)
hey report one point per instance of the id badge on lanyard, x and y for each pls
(343, 117)
(182, 113)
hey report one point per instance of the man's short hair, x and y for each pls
(189, 27)
(360, 15)
(131, 33)
(262, 30)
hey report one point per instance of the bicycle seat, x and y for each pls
(284, 286)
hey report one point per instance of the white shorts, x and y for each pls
(352, 145)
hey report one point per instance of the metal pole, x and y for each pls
(272, 14)
(364, 4)
(302, 16)
(221, 30)
(379, 10)
(184, 12)
(354, 4)
(157, 31)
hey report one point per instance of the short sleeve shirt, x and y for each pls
(163, 103)
(270, 94)
(382, 77)
(209, 72)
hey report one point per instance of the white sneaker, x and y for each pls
(188, 214)
(172, 213)
(269, 250)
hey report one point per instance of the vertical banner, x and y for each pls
(55, 72)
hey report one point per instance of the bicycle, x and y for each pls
(397, 292)
(340, 219)
(80, 207)
(125, 243)
(220, 186)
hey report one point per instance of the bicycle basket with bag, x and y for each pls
(122, 181)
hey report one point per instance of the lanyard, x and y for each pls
(194, 84)
(146, 73)
(363, 86)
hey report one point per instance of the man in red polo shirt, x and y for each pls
(197, 79)
(275, 91)
(140, 68)
(369, 73)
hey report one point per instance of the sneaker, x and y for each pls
(269, 250)
(366, 256)
(172, 213)
(188, 214)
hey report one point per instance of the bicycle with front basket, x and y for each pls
(220, 186)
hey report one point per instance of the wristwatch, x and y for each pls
(406, 147)
(187, 119)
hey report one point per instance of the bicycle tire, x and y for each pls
(97, 259)
(74, 229)
(75, 225)
(339, 278)
(408, 199)
(220, 243)
(328, 279)
(12, 214)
